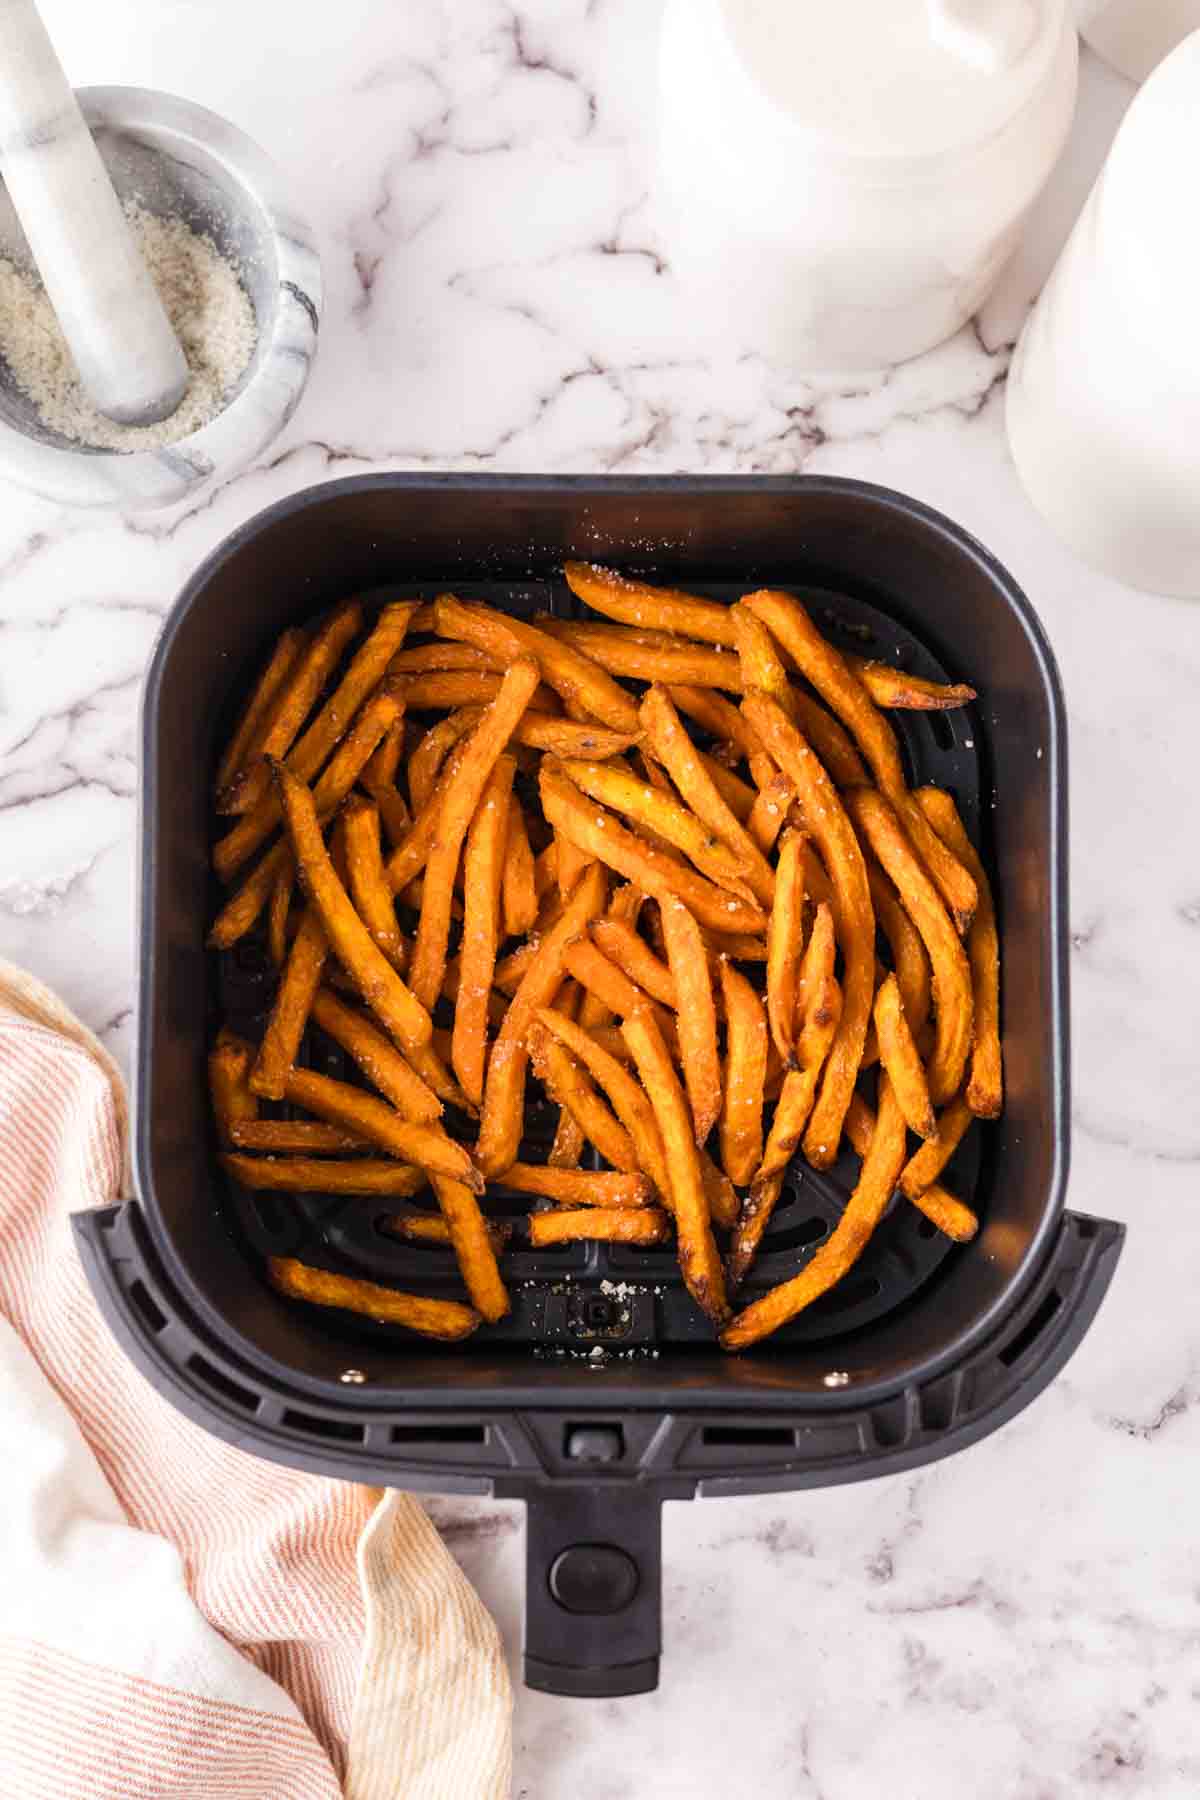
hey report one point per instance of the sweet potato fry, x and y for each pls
(909, 958)
(924, 1167)
(632, 955)
(432, 749)
(631, 1105)
(892, 687)
(324, 1175)
(759, 659)
(785, 942)
(245, 744)
(842, 1249)
(692, 776)
(427, 1146)
(424, 659)
(656, 608)
(519, 891)
(406, 862)
(570, 1087)
(384, 764)
(504, 1091)
(382, 1064)
(293, 702)
(941, 1207)
(737, 794)
(696, 1015)
(699, 1260)
(445, 1319)
(601, 833)
(461, 688)
(401, 1013)
(901, 1058)
(473, 1248)
(369, 886)
(666, 659)
(461, 797)
(431, 1228)
(233, 1102)
(569, 865)
(660, 813)
(483, 870)
(578, 1187)
(985, 1088)
(841, 689)
(602, 979)
(646, 1225)
(714, 713)
(278, 913)
(745, 1075)
(770, 812)
(831, 830)
(723, 1203)
(293, 1002)
(831, 741)
(953, 1003)
(308, 1137)
(576, 677)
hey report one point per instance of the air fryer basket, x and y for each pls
(603, 1394)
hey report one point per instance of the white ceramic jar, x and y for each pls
(842, 180)
(1103, 401)
(1135, 35)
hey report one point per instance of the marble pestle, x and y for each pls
(126, 351)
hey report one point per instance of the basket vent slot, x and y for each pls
(749, 1437)
(222, 1383)
(147, 1305)
(416, 1435)
(1029, 1333)
(342, 1429)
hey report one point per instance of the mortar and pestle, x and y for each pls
(67, 164)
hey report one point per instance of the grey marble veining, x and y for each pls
(1021, 1622)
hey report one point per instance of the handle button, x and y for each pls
(593, 1578)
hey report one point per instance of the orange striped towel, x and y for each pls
(179, 1621)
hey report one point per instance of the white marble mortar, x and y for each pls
(179, 159)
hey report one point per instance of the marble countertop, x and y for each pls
(1021, 1622)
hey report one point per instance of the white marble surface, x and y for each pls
(1021, 1622)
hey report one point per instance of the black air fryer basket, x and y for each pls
(603, 1394)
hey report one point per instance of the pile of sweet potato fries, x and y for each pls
(667, 867)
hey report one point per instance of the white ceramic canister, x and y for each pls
(1135, 35)
(841, 181)
(1103, 403)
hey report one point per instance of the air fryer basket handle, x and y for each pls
(593, 1600)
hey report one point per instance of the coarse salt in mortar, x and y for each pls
(205, 302)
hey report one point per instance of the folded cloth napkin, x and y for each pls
(178, 1620)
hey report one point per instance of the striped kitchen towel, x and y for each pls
(179, 1621)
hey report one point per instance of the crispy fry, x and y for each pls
(570, 1087)
(233, 1102)
(504, 1091)
(723, 1203)
(693, 777)
(292, 704)
(667, 818)
(737, 794)
(576, 677)
(664, 660)
(602, 979)
(953, 1003)
(384, 765)
(424, 659)
(245, 744)
(745, 1075)
(953, 1123)
(369, 886)
(696, 1015)
(335, 782)
(382, 1064)
(909, 958)
(278, 914)
(401, 1013)
(645, 1225)
(425, 1145)
(841, 689)
(519, 890)
(831, 741)
(770, 812)
(483, 871)
(432, 749)
(637, 603)
(431, 1228)
(633, 956)
(842, 1249)
(323, 1175)
(941, 1207)
(312, 1137)
(985, 1088)
(445, 1319)
(461, 797)
(716, 714)
(834, 837)
(892, 687)
(473, 1248)
(600, 832)
(630, 1103)
(462, 688)
(293, 1002)
(578, 1187)
(738, 946)
(699, 1260)
(569, 865)
(902, 1060)
(785, 942)
(759, 660)
(405, 863)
